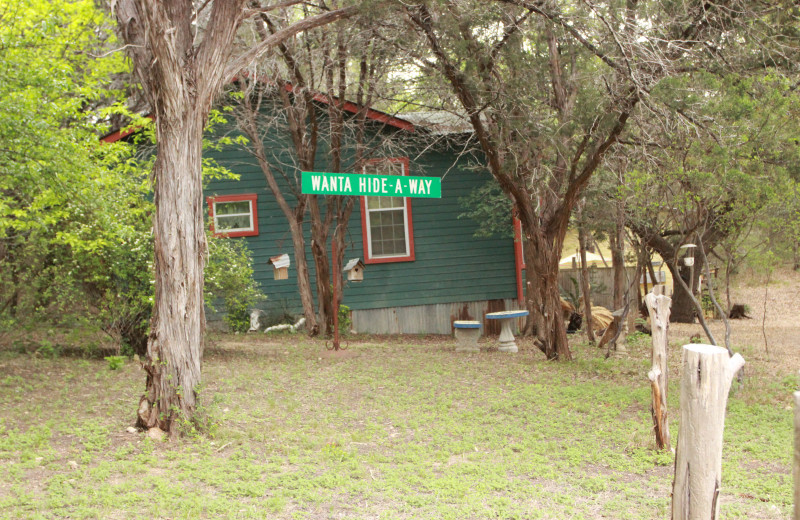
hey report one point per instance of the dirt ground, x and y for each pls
(771, 336)
(394, 427)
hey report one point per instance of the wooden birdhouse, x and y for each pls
(354, 270)
(280, 266)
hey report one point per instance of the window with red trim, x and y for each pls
(234, 215)
(386, 223)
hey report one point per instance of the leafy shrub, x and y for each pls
(115, 362)
(229, 282)
(48, 350)
(345, 319)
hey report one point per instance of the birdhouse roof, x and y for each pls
(280, 261)
(352, 263)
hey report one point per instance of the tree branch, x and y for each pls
(284, 34)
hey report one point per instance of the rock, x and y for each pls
(131, 429)
(72, 464)
(156, 433)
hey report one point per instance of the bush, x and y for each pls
(345, 319)
(229, 282)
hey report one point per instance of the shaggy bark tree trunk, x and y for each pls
(181, 72)
(617, 243)
(544, 297)
(176, 330)
(322, 264)
(585, 287)
(707, 375)
(658, 308)
(180, 82)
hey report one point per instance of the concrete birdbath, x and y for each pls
(467, 334)
(507, 343)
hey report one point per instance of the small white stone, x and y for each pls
(72, 464)
(131, 429)
(156, 433)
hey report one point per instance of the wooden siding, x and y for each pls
(424, 319)
(451, 265)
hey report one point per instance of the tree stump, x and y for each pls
(658, 308)
(707, 375)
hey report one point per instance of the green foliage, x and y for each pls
(74, 221)
(205, 421)
(490, 208)
(76, 214)
(345, 319)
(48, 349)
(735, 183)
(229, 282)
(115, 362)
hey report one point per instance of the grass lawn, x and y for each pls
(396, 427)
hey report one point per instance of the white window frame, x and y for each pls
(369, 257)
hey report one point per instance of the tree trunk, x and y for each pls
(707, 375)
(176, 329)
(658, 309)
(683, 310)
(181, 72)
(585, 288)
(294, 216)
(544, 297)
(304, 278)
(322, 264)
(617, 243)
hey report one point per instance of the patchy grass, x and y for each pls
(395, 428)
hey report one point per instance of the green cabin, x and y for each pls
(423, 266)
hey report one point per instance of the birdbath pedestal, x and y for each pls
(507, 343)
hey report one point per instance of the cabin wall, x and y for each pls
(451, 266)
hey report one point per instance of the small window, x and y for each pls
(234, 215)
(386, 221)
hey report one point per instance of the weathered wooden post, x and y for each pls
(707, 375)
(797, 456)
(658, 308)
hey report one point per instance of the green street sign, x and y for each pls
(318, 183)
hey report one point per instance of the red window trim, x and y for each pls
(411, 256)
(252, 197)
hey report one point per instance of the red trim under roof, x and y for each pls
(348, 106)
(122, 133)
(375, 115)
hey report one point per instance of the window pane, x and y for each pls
(233, 223)
(229, 208)
(393, 202)
(386, 216)
(387, 229)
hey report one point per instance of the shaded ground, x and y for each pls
(397, 427)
